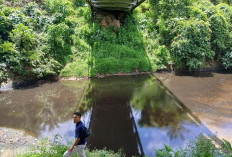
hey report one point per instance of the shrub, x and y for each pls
(78, 3)
(227, 59)
(59, 40)
(220, 34)
(199, 147)
(202, 146)
(174, 8)
(5, 25)
(192, 46)
(24, 39)
(38, 19)
(198, 13)
(31, 10)
(220, 1)
(77, 68)
(3, 73)
(226, 10)
(57, 149)
(59, 8)
(10, 59)
(46, 68)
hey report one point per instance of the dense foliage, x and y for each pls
(58, 37)
(34, 42)
(194, 32)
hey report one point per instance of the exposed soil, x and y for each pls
(14, 142)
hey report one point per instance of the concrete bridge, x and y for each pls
(115, 5)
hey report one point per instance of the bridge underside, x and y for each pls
(115, 5)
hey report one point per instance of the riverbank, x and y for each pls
(10, 85)
(19, 143)
(13, 141)
(196, 147)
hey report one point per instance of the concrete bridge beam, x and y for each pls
(115, 5)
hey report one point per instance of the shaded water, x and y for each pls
(132, 113)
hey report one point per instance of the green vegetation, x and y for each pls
(34, 43)
(200, 147)
(57, 149)
(194, 32)
(49, 38)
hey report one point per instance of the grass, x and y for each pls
(202, 146)
(46, 148)
(110, 50)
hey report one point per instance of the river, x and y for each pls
(135, 114)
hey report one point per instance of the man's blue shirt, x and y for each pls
(80, 132)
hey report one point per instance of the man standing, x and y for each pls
(80, 141)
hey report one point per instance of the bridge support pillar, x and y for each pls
(109, 18)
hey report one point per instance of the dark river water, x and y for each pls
(130, 113)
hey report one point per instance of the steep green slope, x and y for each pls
(108, 50)
(59, 37)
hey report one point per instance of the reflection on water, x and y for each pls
(37, 109)
(208, 96)
(131, 113)
(112, 121)
(158, 109)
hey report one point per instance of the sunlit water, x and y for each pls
(130, 113)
